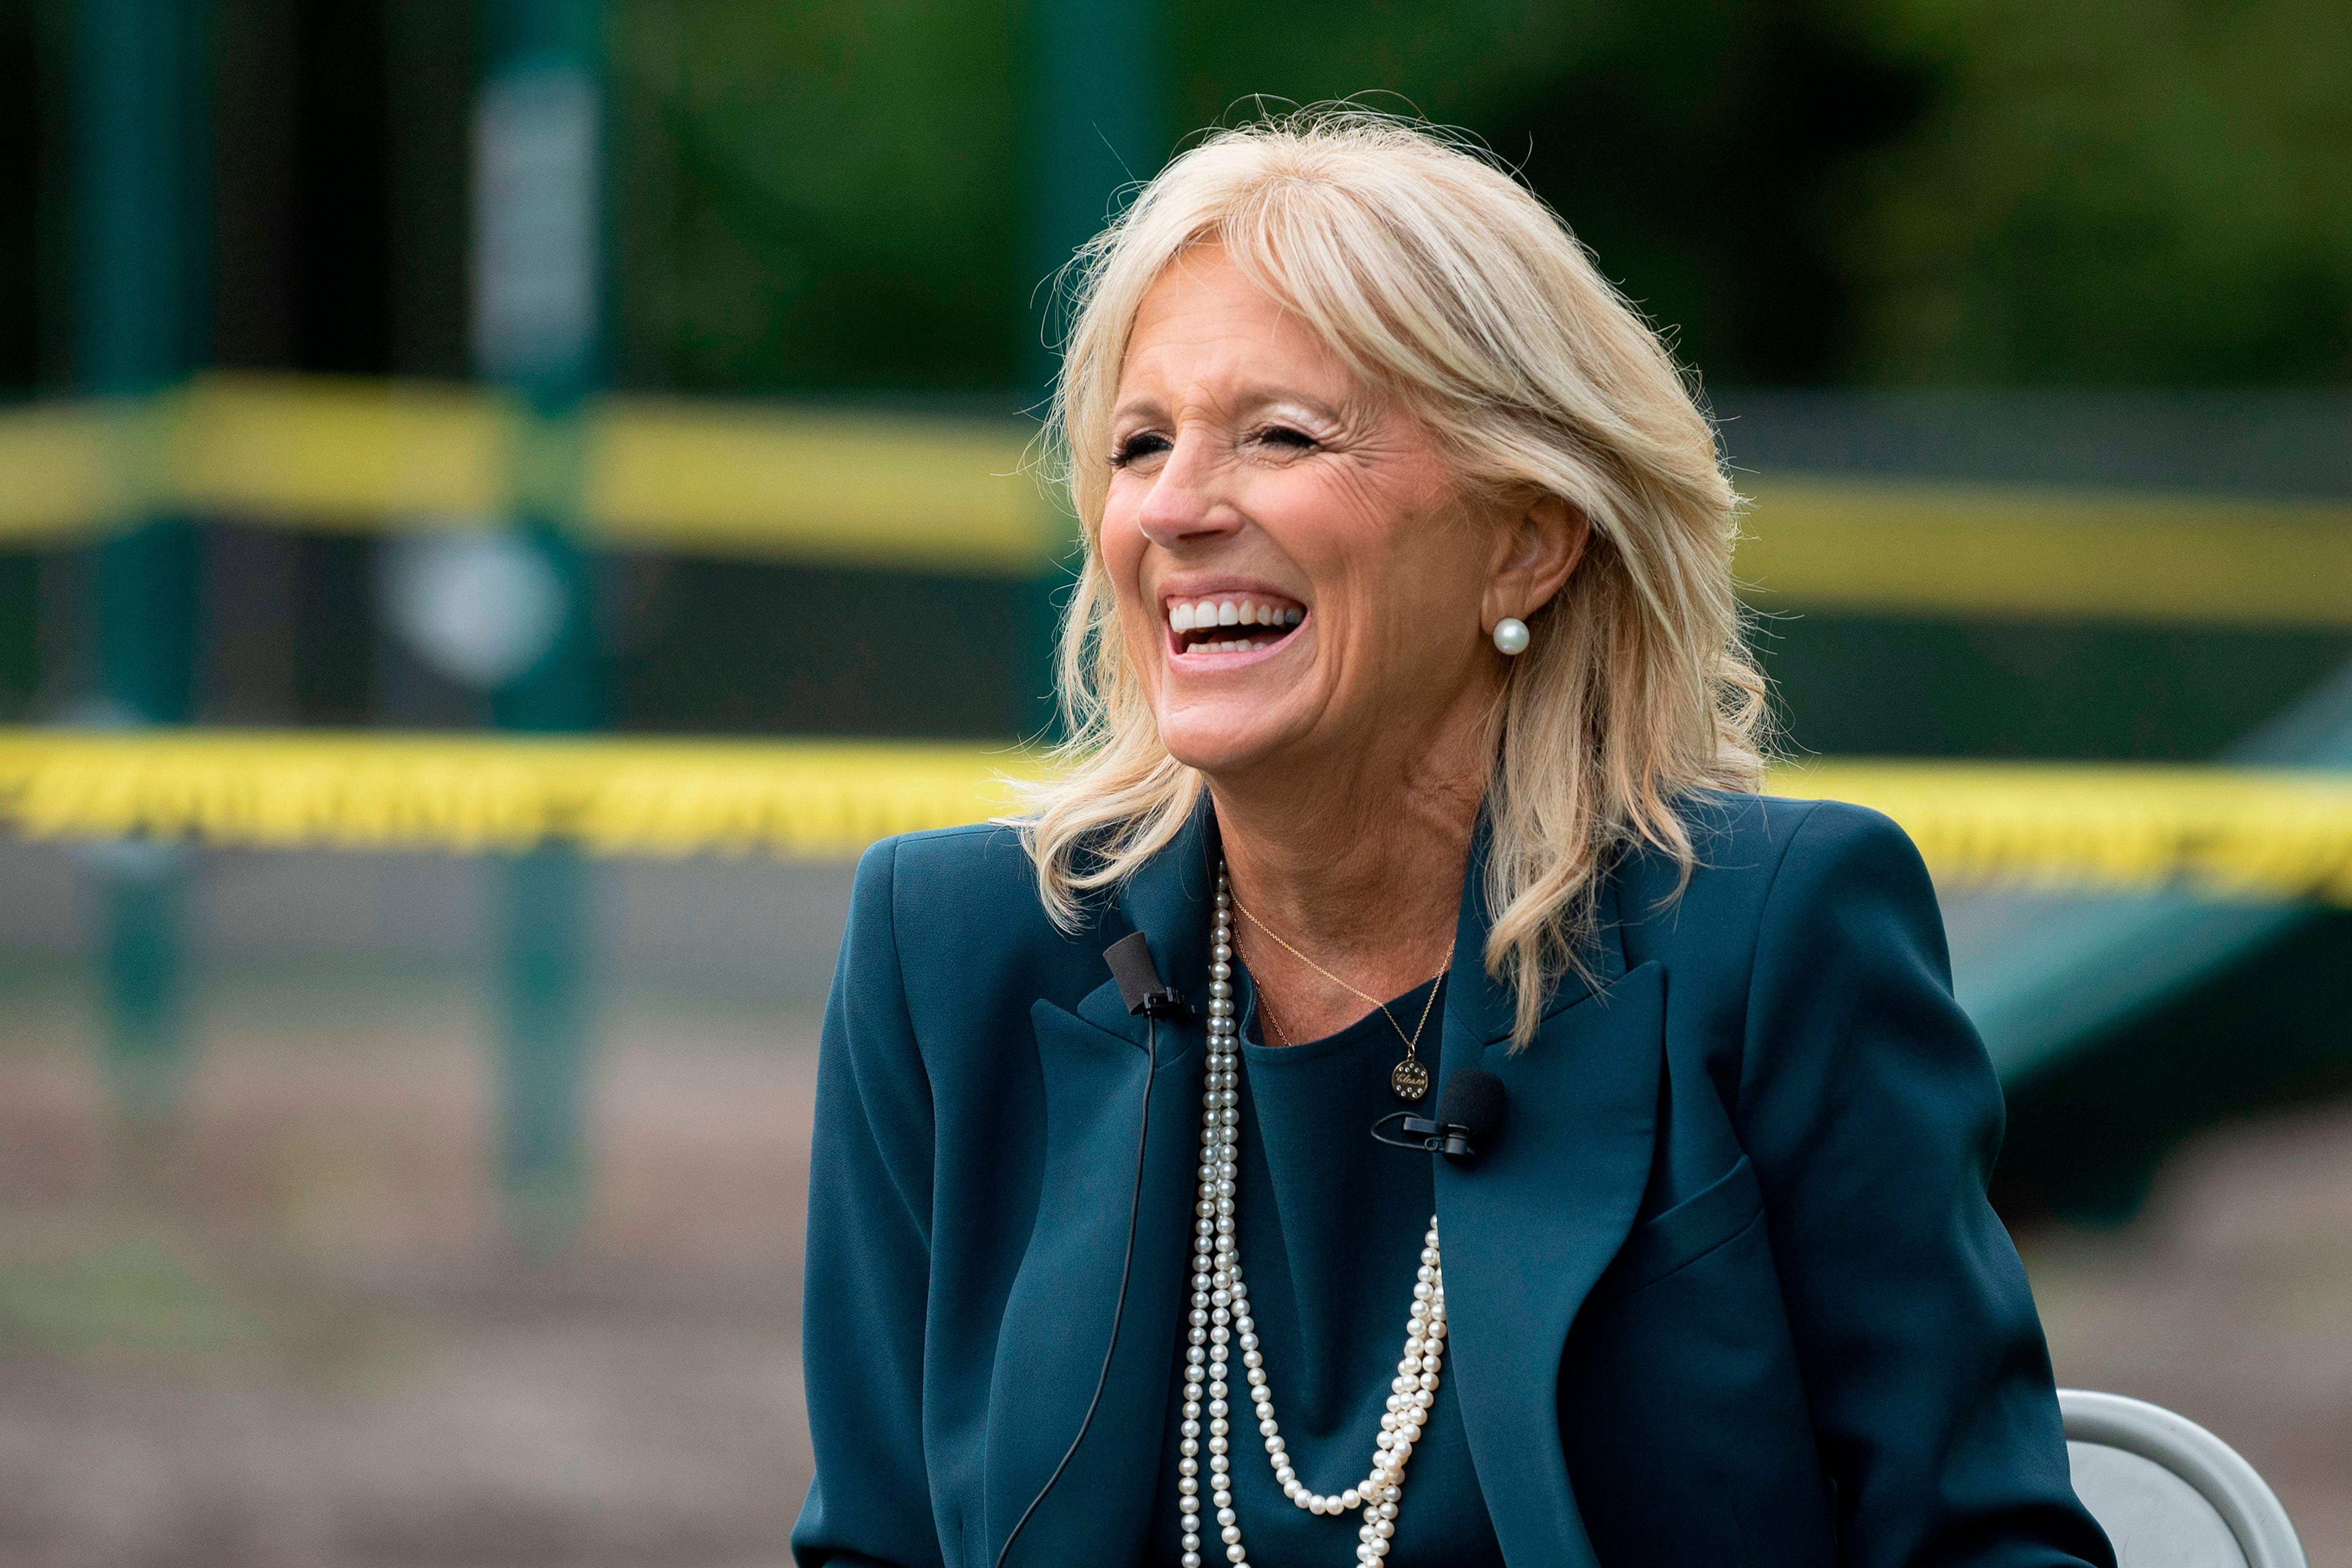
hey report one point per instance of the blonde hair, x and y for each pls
(1441, 279)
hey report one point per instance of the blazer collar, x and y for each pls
(1479, 1007)
(1529, 1225)
(1166, 899)
(1096, 1075)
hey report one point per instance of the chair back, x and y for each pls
(2169, 1493)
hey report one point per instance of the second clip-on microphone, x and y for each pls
(1469, 1116)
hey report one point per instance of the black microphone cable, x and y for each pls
(1151, 1011)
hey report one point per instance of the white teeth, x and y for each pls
(1202, 614)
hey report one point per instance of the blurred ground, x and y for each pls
(290, 1335)
(2229, 1300)
(295, 1340)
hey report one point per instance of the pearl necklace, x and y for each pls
(1221, 1319)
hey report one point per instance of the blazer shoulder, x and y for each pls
(946, 870)
(1749, 838)
(1759, 856)
(977, 859)
(1737, 842)
(916, 886)
(966, 920)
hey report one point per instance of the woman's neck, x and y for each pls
(1358, 868)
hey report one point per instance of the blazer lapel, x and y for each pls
(1529, 1226)
(1527, 1229)
(1058, 1316)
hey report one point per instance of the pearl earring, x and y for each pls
(1511, 637)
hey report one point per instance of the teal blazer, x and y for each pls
(1726, 1291)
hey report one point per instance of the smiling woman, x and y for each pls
(1345, 361)
(1409, 713)
(1253, 473)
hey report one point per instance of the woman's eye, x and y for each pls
(1135, 447)
(1283, 436)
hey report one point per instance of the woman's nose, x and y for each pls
(1186, 504)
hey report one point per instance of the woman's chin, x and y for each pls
(1230, 735)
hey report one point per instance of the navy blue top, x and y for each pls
(1331, 1228)
(1725, 1289)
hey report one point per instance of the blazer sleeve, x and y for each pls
(1872, 1114)
(868, 1269)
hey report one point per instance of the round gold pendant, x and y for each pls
(1411, 1079)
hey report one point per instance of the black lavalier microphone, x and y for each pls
(1141, 987)
(1470, 1111)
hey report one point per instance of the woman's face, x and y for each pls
(1296, 576)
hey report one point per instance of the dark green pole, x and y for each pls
(538, 286)
(1097, 120)
(135, 188)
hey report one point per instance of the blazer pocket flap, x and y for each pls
(1687, 1232)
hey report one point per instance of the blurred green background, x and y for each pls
(270, 1302)
(831, 197)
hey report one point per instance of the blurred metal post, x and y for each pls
(1097, 122)
(134, 193)
(537, 307)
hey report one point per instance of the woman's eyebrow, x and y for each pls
(1242, 404)
(1258, 399)
(1136, 408)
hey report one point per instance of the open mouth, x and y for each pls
(1232, 622)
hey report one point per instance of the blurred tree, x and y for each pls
(838, 194)
(1697, 148)
(1456, 63)
(2108, 191)
(838, 181)
(827, 196)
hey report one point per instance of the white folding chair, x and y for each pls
(2169, 1493)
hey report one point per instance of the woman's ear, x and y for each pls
(1533, 558)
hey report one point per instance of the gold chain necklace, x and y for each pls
(1409, 1080)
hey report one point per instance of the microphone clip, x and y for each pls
(1423, 1136)
(1167, 1005)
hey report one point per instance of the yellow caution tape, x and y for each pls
(2272, 835)
(949, 495)
(2249, 833)
(473, 793)
(1919, 547)
(869, 488)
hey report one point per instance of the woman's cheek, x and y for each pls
(1120, 544)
